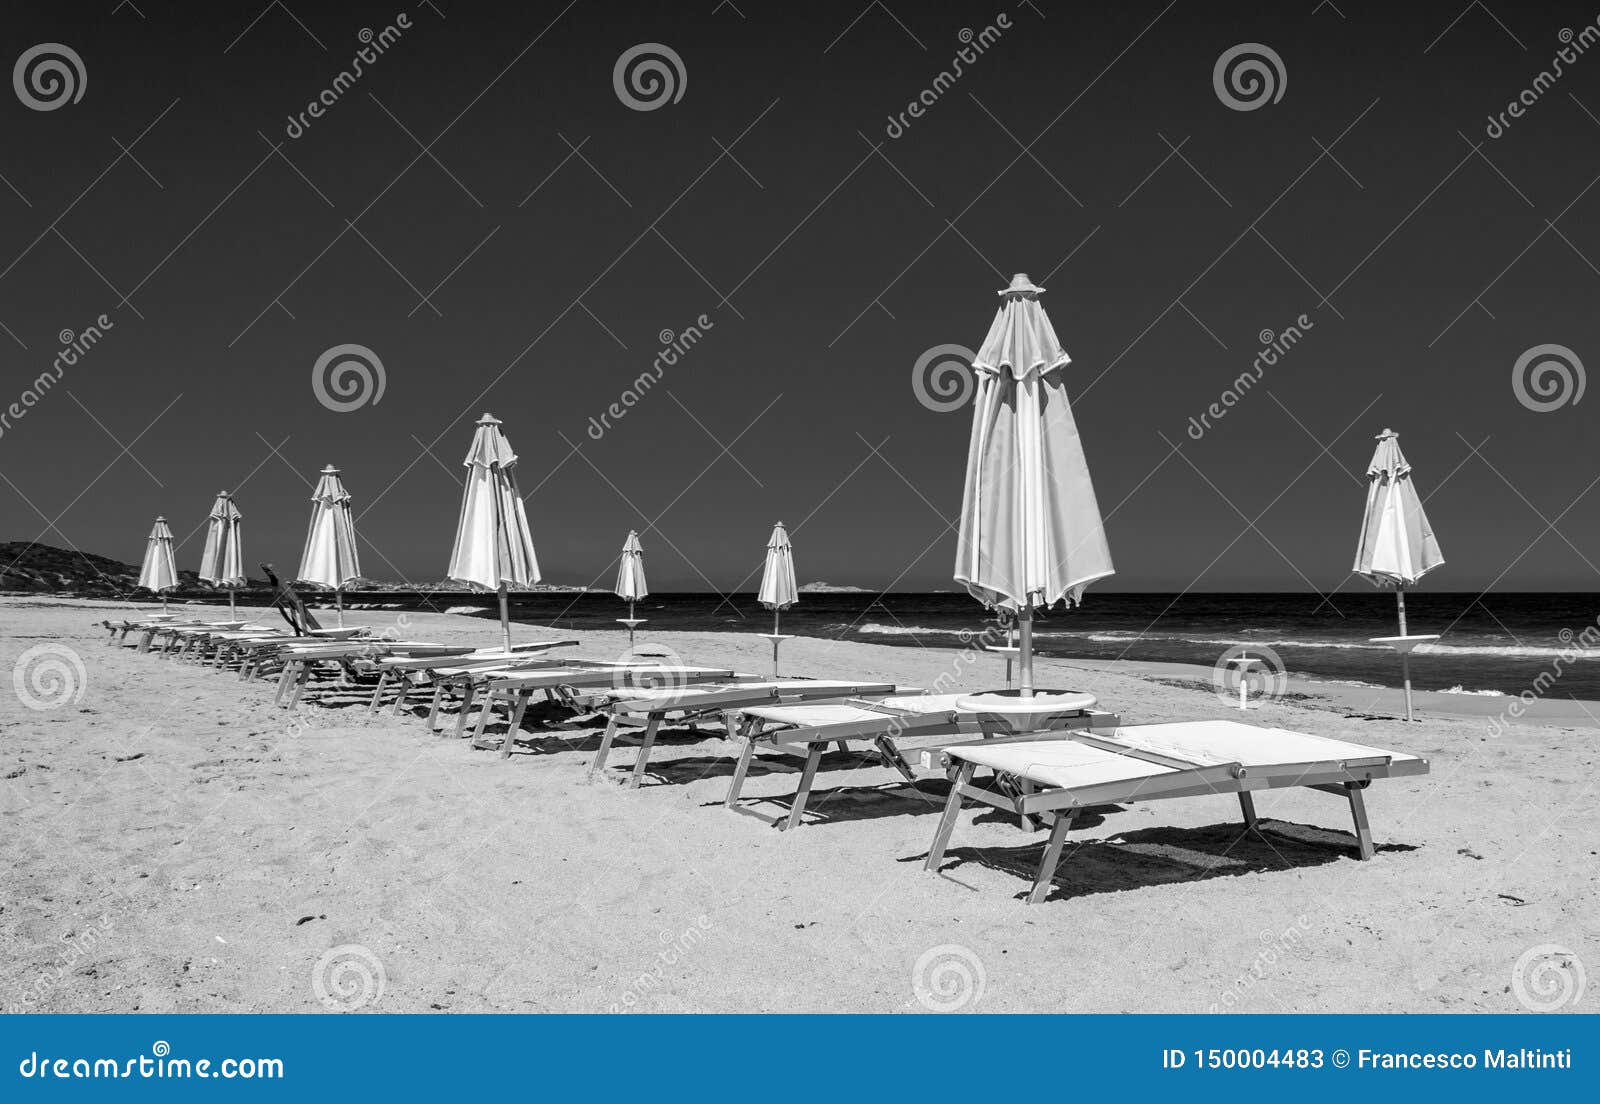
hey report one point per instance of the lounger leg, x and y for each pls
(737, 784)
(300, 685)
(1358, 812)
(402, 695)
(643, 761)
(807, 777)
(468, 692)
(598, 763)
(284, 678)
(377, 691)
(514, 725)
(1051, 858)
(433, 710)
(1247, 805)
(947, 822)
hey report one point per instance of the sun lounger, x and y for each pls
(649, 709)
(807, 730)
(1151, 762)
(514, 691)
(301, 658)
(410, 673)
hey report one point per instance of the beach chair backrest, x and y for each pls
(288, 603)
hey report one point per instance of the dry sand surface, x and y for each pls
(176, 843)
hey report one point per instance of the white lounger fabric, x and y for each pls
(1062, 764)
(1068, 764)
(810, 716)
(639, 701)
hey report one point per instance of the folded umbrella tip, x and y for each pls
(488, 419)
(1021, 285)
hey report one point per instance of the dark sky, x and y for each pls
(827, 256)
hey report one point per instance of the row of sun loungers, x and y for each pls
(1043, 770)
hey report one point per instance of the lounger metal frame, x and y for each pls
(1059, 807)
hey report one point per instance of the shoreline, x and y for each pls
(1356, 699)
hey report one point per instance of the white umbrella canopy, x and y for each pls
(222, 562)
(1397, 546)
(778, 591)
(1031, 533)
(494, 547)
(330, 559)
(159, 572)
(630, 579)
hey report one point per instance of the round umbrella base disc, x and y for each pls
(1020, 710)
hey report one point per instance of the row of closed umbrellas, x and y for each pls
(493, 546)
(1031, 533)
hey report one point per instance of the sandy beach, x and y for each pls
(178, 844)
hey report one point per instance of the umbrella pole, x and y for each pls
(1025, 660)
(505, 619)
(630, 624)
(163, 601)
(776, 639)
(1405, 657)
(338, 603)
(233, 608)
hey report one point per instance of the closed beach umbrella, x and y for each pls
(222, 562)
(159, 572)
(630, 579)
(330, 558)
(494, 548)
(778, 591)
(1397, 545)
(1031, 533)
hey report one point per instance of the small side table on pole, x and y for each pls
(1246, 665)
(1404, 645)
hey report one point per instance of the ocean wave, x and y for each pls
(1501, 651)
(468, 609)
(1474, 693)
(910, 630)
